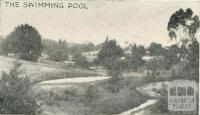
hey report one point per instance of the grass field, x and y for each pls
(39, 72)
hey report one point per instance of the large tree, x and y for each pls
(25, 41)
(109, 57)
(155, 49)
(138, 50)
(110, 49)
(183, 27)
(135, 60)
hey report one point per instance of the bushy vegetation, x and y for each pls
(171, 56)
(2, 51)
(162, 105)
(80, 48)
(138, 51)
(57, 51)
(155, 49)
(109, 49)
(90, 99)
(109, 57)
(16, 97)
(81, 60)
(60, 50)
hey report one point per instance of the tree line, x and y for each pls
(26, 43)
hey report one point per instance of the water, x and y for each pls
(74, 80)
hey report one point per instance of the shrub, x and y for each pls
(179, 72)
(15, 97)
(116, 103)
(91, 94)
(57, 51)
(80, 60)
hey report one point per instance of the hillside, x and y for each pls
(41, 72)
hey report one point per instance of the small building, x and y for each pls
(44, 56)
(69, 63)
(128, 52)
(90, 56)
(11, 55)
(149, 58)
(70, 57)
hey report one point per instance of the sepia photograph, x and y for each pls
(99, 57)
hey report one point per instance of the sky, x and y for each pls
(127, 21)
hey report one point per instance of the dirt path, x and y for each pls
(146, 90)
(140, 108)
(149, 89)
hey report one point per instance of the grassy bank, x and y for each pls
(66, 73)
(92, 99)
(38, 71)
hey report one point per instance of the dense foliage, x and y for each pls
(110, 49)
(185, 22)
(81, 60)
(80, 48)
(15, 93)
(109, 57)
(25, 41)
(183, 26)
(57, 51)
(155, 49)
